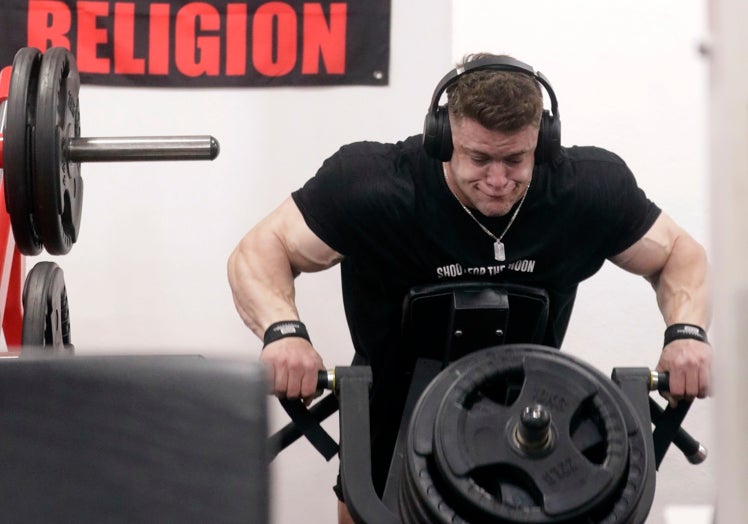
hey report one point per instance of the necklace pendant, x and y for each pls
(498, 251)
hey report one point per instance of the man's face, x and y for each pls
(489, 170)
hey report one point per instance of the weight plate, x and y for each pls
(420, 498)
(58, 186)
(464, 462)
(46, 317)
(18, 149)
(477, 440)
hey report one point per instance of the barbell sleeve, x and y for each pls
(134, 149)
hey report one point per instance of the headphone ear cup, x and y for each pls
(437, 134)
(549, 139)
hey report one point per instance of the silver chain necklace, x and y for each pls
(499, 253)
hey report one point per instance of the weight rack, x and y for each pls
(41, 151)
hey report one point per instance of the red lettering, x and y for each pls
(158, 39)
(124, 41)
(265, 40)
(90, 36)
(236, 39)
(49, 22)
(321, 40)
(189, 45)
(197, 39)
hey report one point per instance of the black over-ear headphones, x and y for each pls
(437, 135)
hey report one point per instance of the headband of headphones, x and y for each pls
(437, 136)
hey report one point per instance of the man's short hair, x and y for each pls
(504, 101)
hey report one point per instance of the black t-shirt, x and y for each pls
(388, 210)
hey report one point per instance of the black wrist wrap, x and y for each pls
(283, 329)
(679, 331)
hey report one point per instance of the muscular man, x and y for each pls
(488, 190)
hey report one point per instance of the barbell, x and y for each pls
(42, 150)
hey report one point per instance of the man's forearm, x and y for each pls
(682, 286)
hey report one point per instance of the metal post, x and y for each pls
(126, 149)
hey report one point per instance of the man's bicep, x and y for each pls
(648, 255)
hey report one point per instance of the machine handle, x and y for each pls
(694, 452)
(659, 381)
(668, 419)
(326, 380)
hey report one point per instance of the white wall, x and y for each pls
(628, 77)
(148, 273)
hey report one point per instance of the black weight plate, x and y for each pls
(427, 495)
(419, 499)
(58, 186)
(46, 317)
(18, 149)
(476, 441)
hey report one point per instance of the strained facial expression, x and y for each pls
(489, 170)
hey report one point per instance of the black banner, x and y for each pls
(207, 43)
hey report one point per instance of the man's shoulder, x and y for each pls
(592, 155)
(368, 149)
(588, 170)
(363, 176)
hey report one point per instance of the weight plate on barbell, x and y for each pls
(18, 147)
(58, 186)
(46, 317)
(465, 461)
